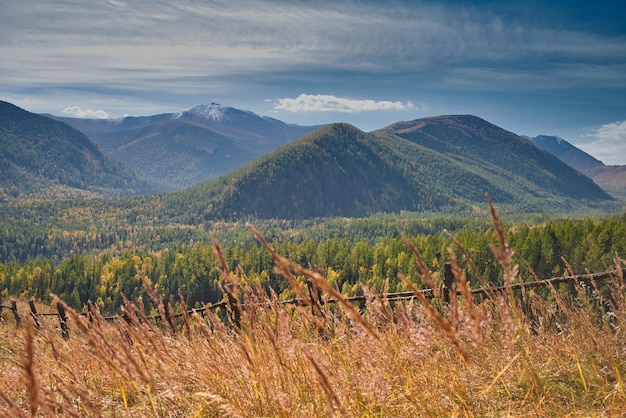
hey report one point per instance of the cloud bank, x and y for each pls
(608, 143)
(330, 103)
(77, 112)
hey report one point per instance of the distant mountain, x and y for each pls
(177, 150)
(445, 163)
(566, 152)
(41, 157)
(610, 178)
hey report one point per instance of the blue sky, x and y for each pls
(532, 67)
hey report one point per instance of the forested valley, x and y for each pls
(101, 262)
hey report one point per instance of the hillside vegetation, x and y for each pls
(495, 152)
(355, 254)
(444, 164)
(40, 157)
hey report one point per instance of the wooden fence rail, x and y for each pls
(445, 293)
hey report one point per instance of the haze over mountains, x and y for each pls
(444, 163)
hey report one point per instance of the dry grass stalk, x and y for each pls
(15, 411)
(486, 286)
(333, 400)
(322, 283)
(504, 255)
(425, 276)
(283, 266)
(464, 287)
(156, 300)
(32, 382)
(443, 323)
(185, 314)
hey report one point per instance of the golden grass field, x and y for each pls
(545, 354)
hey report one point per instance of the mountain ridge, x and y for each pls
(42, 157)
(465, 136)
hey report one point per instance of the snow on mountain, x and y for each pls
(214, 111)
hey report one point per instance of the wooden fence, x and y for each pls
(230, 302)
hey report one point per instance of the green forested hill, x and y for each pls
(434, 164)
(171, 155)
(336, 171)
(41, 157)
(494, 152)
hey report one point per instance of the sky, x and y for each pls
(531, 67)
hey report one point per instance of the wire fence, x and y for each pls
(232, 303)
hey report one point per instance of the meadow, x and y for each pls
(557, 351)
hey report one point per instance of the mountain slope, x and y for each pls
(44, 158)
(493, 151)
(342, 171)
(566, 152)
(177, 150)
(610, 178)
(335, 171)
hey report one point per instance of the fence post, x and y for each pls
(449, 282)
(16, 314)
(233, 304)
(33, 314)
(316, 297)
(168, 315)
(65, 332)
(90, 312)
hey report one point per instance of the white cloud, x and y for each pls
(77, 112)
(330, 103)
(608, 143)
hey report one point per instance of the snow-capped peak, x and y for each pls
(214, 111)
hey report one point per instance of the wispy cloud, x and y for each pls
(607, 143)
(116, 41)
(77, 112)
(330, 103)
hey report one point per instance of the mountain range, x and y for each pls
(445, 163)
(611, 178)
(172, 151)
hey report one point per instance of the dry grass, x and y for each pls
(509, 355)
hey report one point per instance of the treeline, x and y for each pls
(191, 269)
(60, 229)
